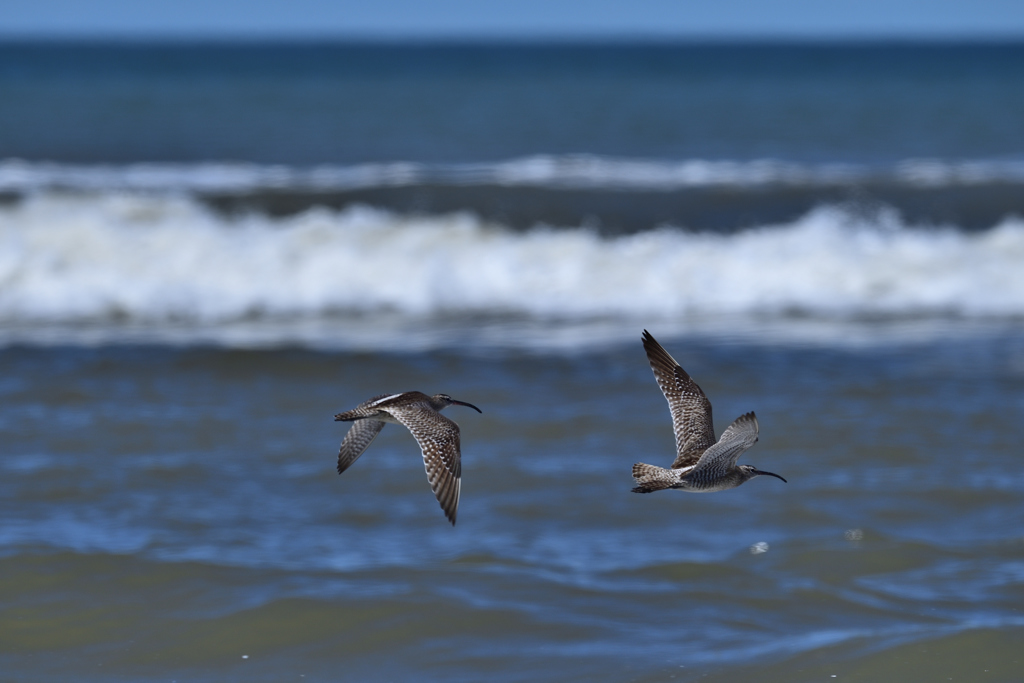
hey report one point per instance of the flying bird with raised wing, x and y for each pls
(437, 436)
(702, 464)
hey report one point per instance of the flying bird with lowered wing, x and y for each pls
(437, 436)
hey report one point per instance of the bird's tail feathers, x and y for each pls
(650, 478)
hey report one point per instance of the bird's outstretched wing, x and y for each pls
(721, 458)
(362, 433)
(691, 409)
(438, 438)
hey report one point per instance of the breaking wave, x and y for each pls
(122, 257)
(579, 171)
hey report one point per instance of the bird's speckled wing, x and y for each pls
(355, 442)
(691, 409)
(721, 458)
(438, 438)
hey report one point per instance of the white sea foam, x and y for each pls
(163, 263)
(568, 171)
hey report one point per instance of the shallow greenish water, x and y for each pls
(174, 514)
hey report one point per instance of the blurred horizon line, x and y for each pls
(399, 39)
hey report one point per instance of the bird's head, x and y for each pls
(750, 472)
(444, 400)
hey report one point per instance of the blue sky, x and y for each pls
(514, 18)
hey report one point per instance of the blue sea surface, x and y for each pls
(169, 512)
(318, 103)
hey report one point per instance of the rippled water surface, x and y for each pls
(174, 514)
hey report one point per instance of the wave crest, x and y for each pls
(125, 257)
(574, 171)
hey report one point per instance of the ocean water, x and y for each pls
(207, 250)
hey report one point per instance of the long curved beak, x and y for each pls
(770, 474)
(468, 405)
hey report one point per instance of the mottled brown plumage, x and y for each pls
(702, 464)
(437, 436)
